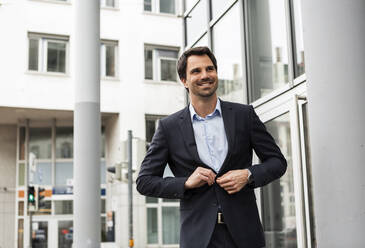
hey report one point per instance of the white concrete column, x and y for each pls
(334, 38)
(87, 127)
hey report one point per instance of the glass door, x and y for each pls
(285, 203)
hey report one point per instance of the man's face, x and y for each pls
(201, 76)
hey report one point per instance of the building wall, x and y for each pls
(7, 184)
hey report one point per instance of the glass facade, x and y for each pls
(260, 56)
(160, 63)
(56, 57)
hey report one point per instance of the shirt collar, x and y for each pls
(216, 111)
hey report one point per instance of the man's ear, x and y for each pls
(183, 80)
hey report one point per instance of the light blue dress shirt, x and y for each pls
(210, 137)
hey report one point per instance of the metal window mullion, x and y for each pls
(208, 28)
(53, 153)
(297, 173)
(305, 175)
(44, 55)
(244, 67)
(17, 184)
(248, 52)
(290, 41)
(159, 221)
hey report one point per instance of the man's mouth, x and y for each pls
(205, 82)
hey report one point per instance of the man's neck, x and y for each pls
(204, 106)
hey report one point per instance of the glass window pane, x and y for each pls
(21, 174)
(40, 142)
(110, 60)
(103, 206)
(42, 175)
(102, 172)
(102, 142)
(218, 7)
(109, 3)
(33, 55)
(229, 58)
(147, 5)
(152, 233)
(189, 4)
(168, 70)
(268, 46)
(40, 234)
(196, 22)
(300, 65)
(278, 198)
(64, 142)
(103, 229)
(202, 42)
(167, 6)
(20, 233)
(65, 234)
(56, 57)
(22, 143)
(63, 207)
(170, 225)
(64, 173)
(45, 208)
(148, 63)
(150, 129)
(20, 208)
(151, 199)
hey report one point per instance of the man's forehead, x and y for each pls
(199, 60)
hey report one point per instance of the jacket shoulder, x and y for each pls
(237, 106)
(173, 118)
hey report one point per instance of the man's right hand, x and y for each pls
(200, 177)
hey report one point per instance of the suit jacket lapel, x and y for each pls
(229, 126)
(188, 135)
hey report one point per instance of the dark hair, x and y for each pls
(182, 62)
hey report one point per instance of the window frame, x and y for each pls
(156, 63)
(43, 40)
(155, 8)
(103, 44)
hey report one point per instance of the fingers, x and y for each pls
(233, 181)
(206, 175)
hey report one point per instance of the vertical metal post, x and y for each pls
(87, 123)
(130, 192)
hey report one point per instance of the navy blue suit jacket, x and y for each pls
(174, 143)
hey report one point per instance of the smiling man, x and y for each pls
(208, 146)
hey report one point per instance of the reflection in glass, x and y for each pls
(147, 5)
(167, 6)
(148, 63)
(189, 4)
(202, 42)
(20, 208)
(21, 174)
(268, 46)
(218, 6)
(170, 225)
(22, 143)
(278, 199)
(56, 57)
(45, 208)
(64, 173)
(196, 22)
(33, 55)
(110, 60)
(168, 70)
(102, 172)
(152, 232)
(65, 234)
(229, 58)
(63, 207)
(40, 142)
(64, 142)
(40, 234)
(151, 199)
(42, 175)
(300, 65)
(20, 233)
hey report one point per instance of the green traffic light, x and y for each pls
(31, 198)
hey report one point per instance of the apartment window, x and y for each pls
(160, 63)
(109, 55)
(108, 3)
(47, 53)
(160, 6)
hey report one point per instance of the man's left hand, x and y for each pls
(233, 181)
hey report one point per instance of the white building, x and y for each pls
(140, 43)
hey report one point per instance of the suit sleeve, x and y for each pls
(150, 181)
(272, 162)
